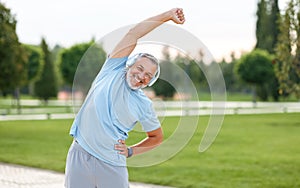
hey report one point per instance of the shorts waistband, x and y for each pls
(77, 146)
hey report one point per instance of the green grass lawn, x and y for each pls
(250, 151)
(38, 143)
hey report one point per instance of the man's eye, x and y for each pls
(139, 69)
(148, 76)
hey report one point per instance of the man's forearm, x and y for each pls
(146, 26)
(146, 145)
(129, 41)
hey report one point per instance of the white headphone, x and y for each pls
(131, 61)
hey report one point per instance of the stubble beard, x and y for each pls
(128, 80)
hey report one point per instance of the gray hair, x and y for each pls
(150, 57)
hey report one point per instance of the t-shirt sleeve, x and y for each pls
(150, 121)
(110, 65)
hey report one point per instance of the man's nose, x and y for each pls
(143, 75)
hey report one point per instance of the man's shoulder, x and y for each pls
(115, 62)
(142, 98)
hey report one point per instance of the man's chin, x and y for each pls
(134, 87)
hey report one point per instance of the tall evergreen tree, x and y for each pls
(262, 20)
(288, 50)
(274, 24)
(267, 26)
(46, 87)
(267, 30)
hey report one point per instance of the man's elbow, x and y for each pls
(156, 137)
(132, 35)
(159, 138)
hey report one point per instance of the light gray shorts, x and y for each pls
(85, 171)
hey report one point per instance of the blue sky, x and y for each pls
(223, 26)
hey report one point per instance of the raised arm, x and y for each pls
(129, 41)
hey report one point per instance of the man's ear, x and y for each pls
(131, 60)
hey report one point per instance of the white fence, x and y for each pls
(57, 109)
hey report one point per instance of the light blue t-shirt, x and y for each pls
(110, 111)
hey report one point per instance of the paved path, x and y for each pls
(15, 176)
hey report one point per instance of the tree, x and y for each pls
(267, 26)
(165, 85)
(230, 77)
(55, 53)
(267, 31)
(46, 87)
(287, 66)
(85, 60)
(262, 38)
(12, 56)
(34, 66)
(255, 68)
(163, 88)
(273, 25)
(191, 69)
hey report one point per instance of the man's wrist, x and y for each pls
(130, 152)
(167, 16)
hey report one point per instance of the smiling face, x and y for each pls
(140, 73)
